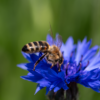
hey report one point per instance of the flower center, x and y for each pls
(72, 68)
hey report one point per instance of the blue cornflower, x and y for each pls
(81, 65)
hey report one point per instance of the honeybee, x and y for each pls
(52, 52)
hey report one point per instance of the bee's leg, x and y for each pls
(59, 68)
(52, 65)
(39, 60)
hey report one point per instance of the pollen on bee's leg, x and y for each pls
(51, 66)
(59, 70)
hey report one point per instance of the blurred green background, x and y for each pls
(23, 21)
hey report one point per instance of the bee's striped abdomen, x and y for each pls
(43, 45)
(34, 47)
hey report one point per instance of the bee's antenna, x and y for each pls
(51, 33)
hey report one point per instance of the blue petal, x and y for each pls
(82, 49)
(94, 63)
(27, 56)
(32, 77)
(96, 89)
(42, 67)
(47, 90)
(50, 75)
(68, 47)
(95, 74)
(60, 85)
(90, 53)
(56, 89)
(52, 72)
(95, 86)
(22, 66)
(34, 57)
(38, 89)
(61, 75)
(26, 66)
(54, 84)
(64, 86)
(44, 83)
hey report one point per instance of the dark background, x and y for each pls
(23, 21)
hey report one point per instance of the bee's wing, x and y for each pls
(58, 41)
(50, 38)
